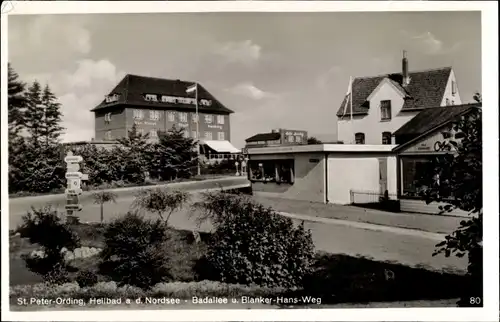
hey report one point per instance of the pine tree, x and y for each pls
(51, 129)
(35, 114)
(16, 104)
(175, 154)
(134, 155)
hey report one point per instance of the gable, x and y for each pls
(426, 89)
(431, 143)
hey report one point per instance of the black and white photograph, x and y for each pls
(249, 162)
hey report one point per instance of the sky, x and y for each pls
(275, 70)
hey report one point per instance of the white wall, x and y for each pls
(448, 93)
(351, 172)
(371, 124)
(392, 176)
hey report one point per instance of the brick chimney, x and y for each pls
(406, 75)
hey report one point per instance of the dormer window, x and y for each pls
(111, 98)
(151, 97)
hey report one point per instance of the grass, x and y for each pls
(336, 278)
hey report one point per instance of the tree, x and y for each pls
(460, 175)
(35, 113)
(160, 201)
(313, 140)
(103, 197)
(175, 155)
(134, 154)
(16, 104)
(51, 129)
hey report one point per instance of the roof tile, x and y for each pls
(426, 89)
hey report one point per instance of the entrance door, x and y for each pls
(382, 165)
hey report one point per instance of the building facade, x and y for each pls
(277, 137)
(382, 104)
(156, 105)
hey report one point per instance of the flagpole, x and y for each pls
(197, 129)
(350, 103)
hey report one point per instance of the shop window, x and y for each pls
(419, 175)
(386, 138)
(385, 110)
(277, 171)
(359, 138)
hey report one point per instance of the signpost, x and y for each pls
(73, 191)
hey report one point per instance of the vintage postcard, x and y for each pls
(249, 161)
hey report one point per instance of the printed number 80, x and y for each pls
(475, 300)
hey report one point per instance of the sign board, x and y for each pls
(74, 184)
(73, 159)
(73, 191)
(437, 142)
(73, 167)
(73, 175)
(74, 207)
(85, 176)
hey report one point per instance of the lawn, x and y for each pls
(336, 278)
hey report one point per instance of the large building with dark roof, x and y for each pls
(381, 104)
(277, 137)
(156, 104)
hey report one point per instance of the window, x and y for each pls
(153, 134)
(359, 138)
(208, 119)
(151, 97)
(290, 138)
(418, 177)
(154, 115)
(140, 131)
(194, 118)
(171, 116)
(107, 135)
(279, 171)
(298, 138)
(220, 119)
(385, 110)
(453, 88)
(220, 136)
(386, 138)
(194, 134)
(107, 118)
(452, 102)
(183, 117)
(208, 135)
(138, 114)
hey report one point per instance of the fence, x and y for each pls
(375, 200)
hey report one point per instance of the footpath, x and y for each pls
(371, 219)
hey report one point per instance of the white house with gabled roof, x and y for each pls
(381, 104)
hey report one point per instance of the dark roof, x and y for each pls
(426, 89)
(264, 137)
(432, 118)
(132, 88)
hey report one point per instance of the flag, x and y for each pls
(191, 88)
(348, 96)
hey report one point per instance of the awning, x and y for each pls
(221, 146)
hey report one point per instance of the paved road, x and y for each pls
(411, 249)
(18, 207)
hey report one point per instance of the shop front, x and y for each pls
(417, 161)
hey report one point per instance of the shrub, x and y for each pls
(134, 251)
(44, 227)
(252, 244)
(160, 201)
(86, 278)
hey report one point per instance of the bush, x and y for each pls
(86, 278)
(44, 227)
(252, 244)
(134, 251)
(160, 201)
